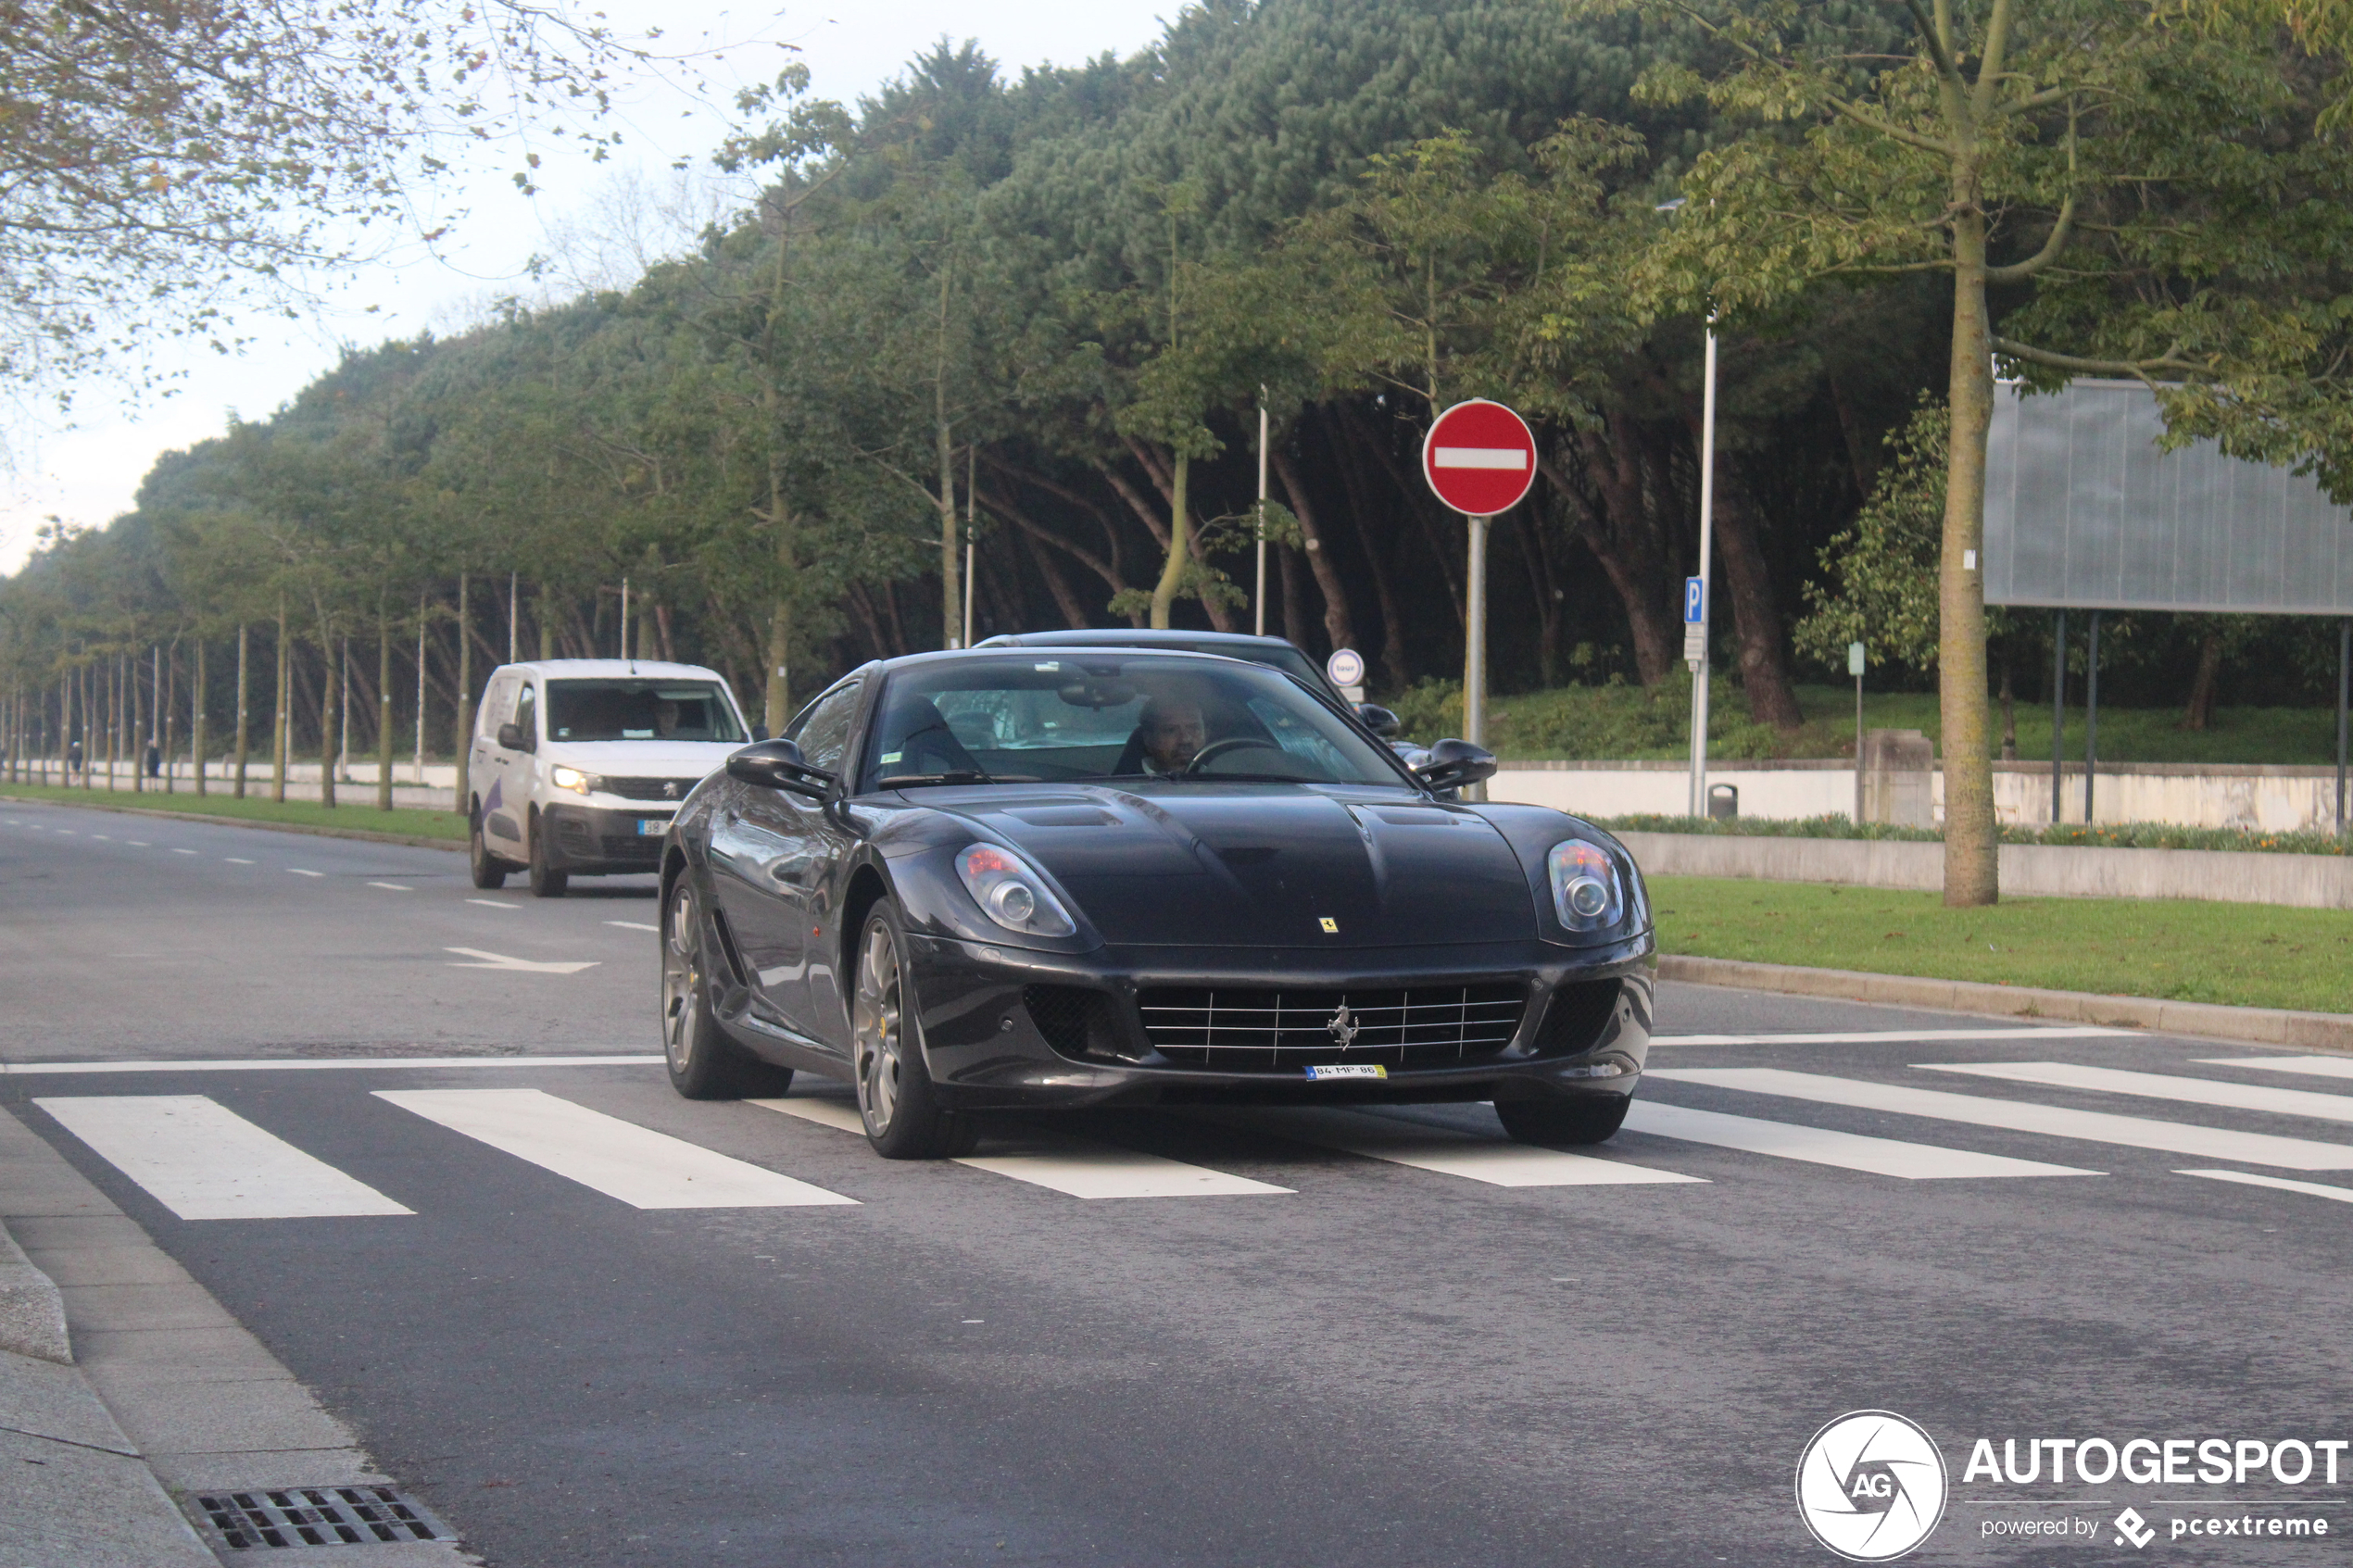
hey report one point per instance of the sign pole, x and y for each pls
(1854, 668)
(1707, 540)
(1475, 636)
(1261, 599)
(2091, 715)
(2344, 692)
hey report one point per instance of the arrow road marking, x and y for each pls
(1478, 457)
(633, 925)
(520, 966)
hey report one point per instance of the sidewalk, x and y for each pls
(167, 1396)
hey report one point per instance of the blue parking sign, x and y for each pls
(1695, 601)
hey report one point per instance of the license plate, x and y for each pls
(1348, 1070)
(652, 827)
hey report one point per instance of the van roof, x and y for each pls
(611, 669)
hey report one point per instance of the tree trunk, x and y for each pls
(1065, 598)
(1294, 594)
(1624, 536)
(1172, 571)
(1392, 619)
(383, 710)
(327, 690)
(2206, 684)
(1339, 626)
(1756, 618)
(1527, 523)
(199, 732)
(1972, 868)
(462, 710)
(1862, 455)
(282, 723)
(244, 731)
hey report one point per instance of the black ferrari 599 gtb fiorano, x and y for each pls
(1064, 877)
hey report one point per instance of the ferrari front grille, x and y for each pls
(1248, 1029)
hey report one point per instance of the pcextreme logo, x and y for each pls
(1872, 1485)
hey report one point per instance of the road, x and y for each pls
(1350, 1339)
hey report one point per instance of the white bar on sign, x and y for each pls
(1821, 1145)
(1513, 458)
(637, 1165)
(1495, 1160)
(204, 1162)
(2024, 1116)
(2160, 1085)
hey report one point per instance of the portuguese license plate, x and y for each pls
(652, 827)
(1348, 1070)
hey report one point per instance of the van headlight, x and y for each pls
(1587, 895)
(1011, 894)
(574, 779)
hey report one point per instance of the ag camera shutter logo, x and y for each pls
(1872, 1485)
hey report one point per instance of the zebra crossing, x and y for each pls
(202, 1160)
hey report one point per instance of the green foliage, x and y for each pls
(1878, 581)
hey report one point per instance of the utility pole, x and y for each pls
(1259, 599)
(1698, 661)
(972, 522)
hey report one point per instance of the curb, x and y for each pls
(411, 840)
(2269, 1026)
(32, 1315)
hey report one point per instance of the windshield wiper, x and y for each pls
(960, 776)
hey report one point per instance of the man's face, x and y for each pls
(1173, 736)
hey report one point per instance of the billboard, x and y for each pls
(2084, 510)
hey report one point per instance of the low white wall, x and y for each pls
(2272, 799)
(2317, 882)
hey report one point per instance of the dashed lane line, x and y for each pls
(299, 871)
(2024, 1116)
(234, 860)
(634, 925)
(178, 851)
(1076, 1167)
(2311, 1189)
(392, 887)
(138, 844)
(494, 903)
(204, 1162)
(2161, 1086)
(482, 959)
(637, 1165)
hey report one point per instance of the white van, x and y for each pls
(578, 764)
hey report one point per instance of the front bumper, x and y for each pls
(592, 840)
(1584, 1029)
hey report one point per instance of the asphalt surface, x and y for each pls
(1380, 1363)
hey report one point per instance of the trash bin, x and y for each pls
(1723, 801)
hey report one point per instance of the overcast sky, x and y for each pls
(88, 475)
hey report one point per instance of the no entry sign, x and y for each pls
(1479, 458)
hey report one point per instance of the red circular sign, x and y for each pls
(1479, 458)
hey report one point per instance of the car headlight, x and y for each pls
(1587, 894)
(1011, 894)
(574, 779)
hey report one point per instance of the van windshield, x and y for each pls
(625, 709)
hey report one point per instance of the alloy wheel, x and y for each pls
(877, 1025)
(681, 981)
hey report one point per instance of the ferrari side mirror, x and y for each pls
(776, 764)
(1453, 763)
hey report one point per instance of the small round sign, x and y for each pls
(1480, 458)
(1346, 667)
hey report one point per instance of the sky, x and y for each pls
(87, 473)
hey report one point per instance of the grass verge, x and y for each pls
(406, 820)
(2242, 955)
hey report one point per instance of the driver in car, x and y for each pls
(1170, 731)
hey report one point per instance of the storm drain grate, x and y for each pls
(300, 1516)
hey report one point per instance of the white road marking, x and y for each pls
(633, 925)
(204, 1162)
(637, 1165)
(494, 903)
(2160, 1085)
(2024, 1116)
(520, 966)
(1875, 1037)
(178, 851)
(392, 887)
(1821, 1145)
(307, 1064)
(68, 831)
(109, 837)
(1079, 1168)
(235, 861)
(1453, 1152)
(2314, 1189)
(2310, 1066)
(138, 843)
(296, 869)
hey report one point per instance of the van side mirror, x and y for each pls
(776, 764)
(1380, 721)
(1453, 763)
(511, 737)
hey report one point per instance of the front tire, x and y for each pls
(704, 1063)
(546, 881)
(896, 1097)
(489, 872)
(1587, 1119)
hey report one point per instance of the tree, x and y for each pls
(2153, 190)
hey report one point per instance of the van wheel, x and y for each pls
(546, 881)
(488, 870)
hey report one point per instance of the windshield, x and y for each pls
(629, 710)
(1107, 716)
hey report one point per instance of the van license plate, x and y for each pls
(652, 827)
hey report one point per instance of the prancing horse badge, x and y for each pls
(1331, 926)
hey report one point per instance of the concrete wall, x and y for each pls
(2322, 881)
(2274, 799)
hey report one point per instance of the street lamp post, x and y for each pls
(1695, 636)
(1261, 601)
